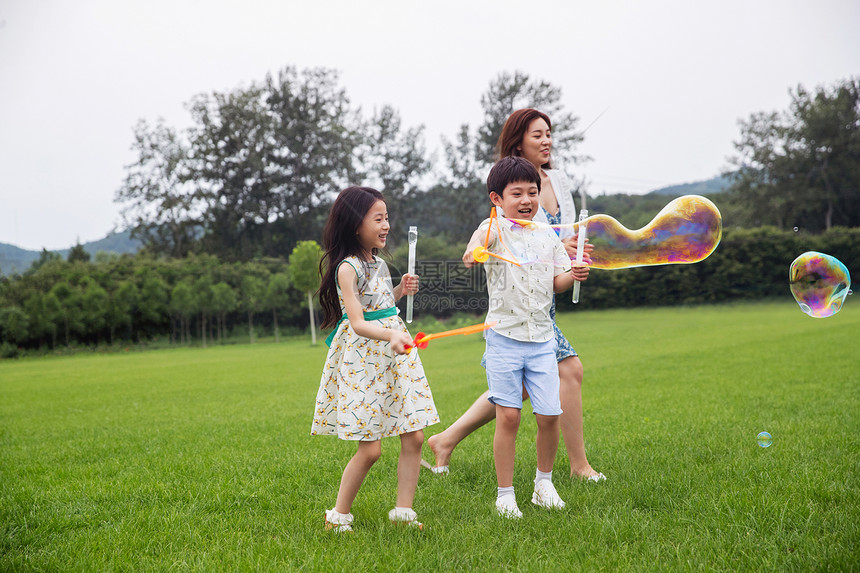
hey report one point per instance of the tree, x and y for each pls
(223, 301)
(509, 92)
(182, 304)
(801, 167)
(78, 254)
(253, 292)
(161, 203)
(266, 160)
(304, 274)
(120, 307)
(14, 324)
(68, 308)
(277, 297)
(45, 256)
(94, 302)
(394, 160)
(203, 301)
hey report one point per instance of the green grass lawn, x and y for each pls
(201, 459)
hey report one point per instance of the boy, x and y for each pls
(521, 345)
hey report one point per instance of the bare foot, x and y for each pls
(586, 472)
(441, 452)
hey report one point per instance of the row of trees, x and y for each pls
(201, 298)
(135, 298)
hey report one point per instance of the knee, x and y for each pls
(570, 371)
(412, 441)
(508, 417)
(369, 452)
(547, 422)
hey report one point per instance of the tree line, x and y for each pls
(203, 300)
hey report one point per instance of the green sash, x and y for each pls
(368, 315)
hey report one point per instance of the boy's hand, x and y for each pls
(399, 340)
(469, 259)
(579, 273)
(410, 284)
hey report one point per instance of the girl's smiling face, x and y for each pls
(373, 231)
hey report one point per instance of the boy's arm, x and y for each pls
(565, 279)
(477, 240)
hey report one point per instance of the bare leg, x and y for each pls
(408, 467)
(355, 472)
(443, 443)
(547, 441)
(570, 393)
(505, 444)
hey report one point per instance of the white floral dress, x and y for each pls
(368, 392)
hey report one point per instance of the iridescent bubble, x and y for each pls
(764, 439)
(819, 283)
(687, 230)
(796, 229)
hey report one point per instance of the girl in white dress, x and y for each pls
(373, 383)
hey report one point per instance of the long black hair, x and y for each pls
(341, 241)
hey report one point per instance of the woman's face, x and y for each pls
(537, 143)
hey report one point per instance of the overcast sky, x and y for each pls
(674, 77)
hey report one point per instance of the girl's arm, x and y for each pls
(408, 285)
(348, 281)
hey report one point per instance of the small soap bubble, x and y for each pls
(796, 229)
(764, 439)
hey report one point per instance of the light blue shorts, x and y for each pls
(512, 364)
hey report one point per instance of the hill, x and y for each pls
(708, 186)
(17, 260)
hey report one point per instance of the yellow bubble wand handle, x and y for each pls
(580, 247)
(482, 254)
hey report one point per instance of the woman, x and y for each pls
(527, 133)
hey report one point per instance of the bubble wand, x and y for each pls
(482, 253)
(580, 244)
(412, 237)
(420, 341)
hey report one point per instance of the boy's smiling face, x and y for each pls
(519, 200)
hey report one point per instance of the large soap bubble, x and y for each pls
(819, 283)
(687, 230)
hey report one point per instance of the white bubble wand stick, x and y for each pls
(412, 238)
(580, 243)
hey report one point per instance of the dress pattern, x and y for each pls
(564, 349)
(368, 392)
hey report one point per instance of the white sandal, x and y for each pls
(438, 470)
(338, 522)
(405, 516)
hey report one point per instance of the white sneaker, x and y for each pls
(546, 496)
(506, 506)
(338, 522)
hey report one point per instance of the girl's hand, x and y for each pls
(570, 246)
(399, 340)
(409, 283)
(579, 273)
